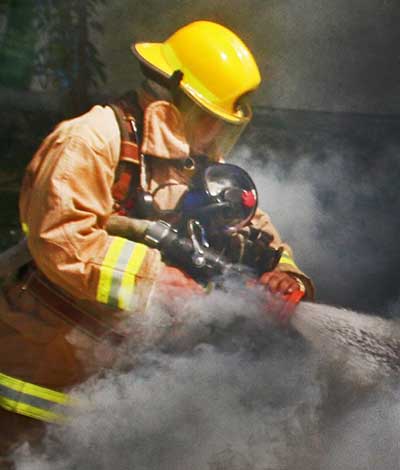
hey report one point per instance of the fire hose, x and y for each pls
(192, 254)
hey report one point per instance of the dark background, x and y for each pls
(325, 136)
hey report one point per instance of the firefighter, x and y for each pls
(65, 315)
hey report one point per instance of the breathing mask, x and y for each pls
(222, 197)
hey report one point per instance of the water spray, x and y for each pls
(366, 347)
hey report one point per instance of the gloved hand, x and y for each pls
(174, 284)
(285, 292)
(279, 282)
(250, 247)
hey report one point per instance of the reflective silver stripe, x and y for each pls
(31, 400)
(119, 270)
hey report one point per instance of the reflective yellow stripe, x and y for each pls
(118, 272)
(25, 228)
(129, 277)
(107, 269)
(34, 390)
(287, 259)
(31, 411)
(32, 400)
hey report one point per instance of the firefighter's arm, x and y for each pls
(287, 275)
(65, 213)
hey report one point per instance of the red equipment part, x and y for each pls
(283, 307)
(289, 307)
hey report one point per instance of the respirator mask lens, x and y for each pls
(224, 198)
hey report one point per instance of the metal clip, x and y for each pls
(198, 257)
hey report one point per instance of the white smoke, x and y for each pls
(225, 389)
(239, 395)
(333, 210)
(235, 394)
(366, 437)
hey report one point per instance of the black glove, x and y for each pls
(250, 247)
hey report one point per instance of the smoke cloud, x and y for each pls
(366, 437)
(235, 393)
(334, 210)
(226, 390)
(223, 388)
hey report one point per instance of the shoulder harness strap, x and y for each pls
(129, 117)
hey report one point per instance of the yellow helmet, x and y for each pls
(218, 69)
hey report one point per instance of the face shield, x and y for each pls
(207, 133)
